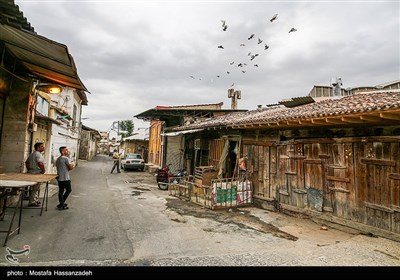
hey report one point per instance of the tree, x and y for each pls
(126, 128)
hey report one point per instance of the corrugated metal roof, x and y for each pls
(297, 101)
(10, 14)
(43, 57)
(39, 116)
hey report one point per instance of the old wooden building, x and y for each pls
(337, 160)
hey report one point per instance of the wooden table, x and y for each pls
(38, 178)
(12, 182)
(10, 188)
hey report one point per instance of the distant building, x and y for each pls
(89, 143)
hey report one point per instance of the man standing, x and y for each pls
(35, 165)
(116, 157)
(64, 181)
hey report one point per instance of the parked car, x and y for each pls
(132, 161)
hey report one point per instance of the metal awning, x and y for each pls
(39, 116)
(43, 57)
(181, 132)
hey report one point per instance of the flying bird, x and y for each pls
(242, 45)
(274, 18)
(251, 37)
(266, 47)
(292, 30)
(220, 47)
(191, 76)
(224, 26)
(232, 84)
(256, 65)
(259, 41)
(232, 63)
(227, 72)
(253, 56)
(244, 71)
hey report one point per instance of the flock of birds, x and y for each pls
(251, 56)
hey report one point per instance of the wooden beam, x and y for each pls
(318, 121)
(394, 176)
(370, 118)
(378, 161)
(338, 179)
(352, 119)
(334, 120)
(305, 122)
(390, 116)
(294, 122)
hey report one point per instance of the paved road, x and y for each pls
(125, 220)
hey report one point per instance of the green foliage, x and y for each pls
(126, 128)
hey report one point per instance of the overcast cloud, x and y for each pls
(134, 55)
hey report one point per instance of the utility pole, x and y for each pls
(117, 130)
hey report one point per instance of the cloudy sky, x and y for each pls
(135, 55)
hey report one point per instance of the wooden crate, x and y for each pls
(204, 174)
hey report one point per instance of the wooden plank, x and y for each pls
(378, 207)
(352, 120)
(384, 173)
(300, 191)
(290, 173)
(370, 118)
(39, 178)
(336, 120)
(336, 166)
(394, 176)
(283, 192)
(269, 199)
(395, 184)
(324, 156)
(338, 179)
(339, 190)
(390, 116)
(318, 121)
(297, 157)
(378, 161)
(355, 225)
(313, 161)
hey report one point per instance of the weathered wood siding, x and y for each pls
(215, 151)
(353, 178)
(378, 163)
(263, 169)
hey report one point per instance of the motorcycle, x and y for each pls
(164, 176)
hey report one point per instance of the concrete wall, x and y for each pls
(15, 138)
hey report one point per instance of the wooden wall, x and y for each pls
(352, 178)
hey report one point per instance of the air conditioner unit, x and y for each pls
(32, 127)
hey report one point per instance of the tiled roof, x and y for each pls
(359, 105)
(194, 106)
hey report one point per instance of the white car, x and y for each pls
(132, 161)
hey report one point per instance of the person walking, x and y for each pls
(35, 165)
(63, 166)
(116, 157)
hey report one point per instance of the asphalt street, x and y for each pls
(123, 219)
